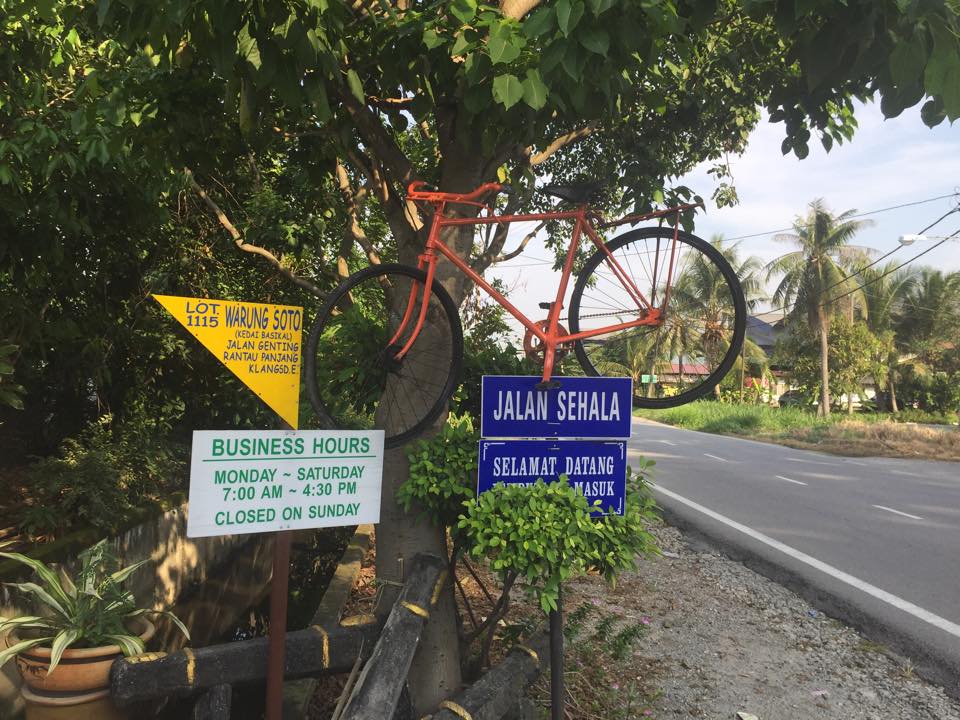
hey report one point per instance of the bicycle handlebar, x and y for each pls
(420, 190)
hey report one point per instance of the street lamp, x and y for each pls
(911, 239)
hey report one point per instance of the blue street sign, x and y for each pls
(598, 468)
(582, 407)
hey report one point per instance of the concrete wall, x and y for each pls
(180, 565)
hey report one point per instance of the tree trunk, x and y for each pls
(849, 402)
(893, 392)
(435, 674)
(824, 361)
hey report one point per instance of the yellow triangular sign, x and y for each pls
(258, 343)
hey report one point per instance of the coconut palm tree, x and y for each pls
(885, 290)
(817, 274)
(930, 315)
(700, 324)
(699, 327)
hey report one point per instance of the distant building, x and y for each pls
(765, 328)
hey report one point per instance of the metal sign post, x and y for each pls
(277, 640)
(577, 430)
(557, 698)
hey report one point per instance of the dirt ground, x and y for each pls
(724, 640)
(692, 634)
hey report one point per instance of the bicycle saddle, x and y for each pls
(576, 193)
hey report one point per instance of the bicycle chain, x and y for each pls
(596, 315)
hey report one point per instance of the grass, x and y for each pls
(861, 435)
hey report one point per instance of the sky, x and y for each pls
(888, 162)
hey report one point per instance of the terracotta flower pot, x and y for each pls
(81, 670)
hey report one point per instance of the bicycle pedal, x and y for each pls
(548, 385)
(546, 305)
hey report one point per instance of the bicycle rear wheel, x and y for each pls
(355, 380)
(689, 352)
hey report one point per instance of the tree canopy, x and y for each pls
(145, 146)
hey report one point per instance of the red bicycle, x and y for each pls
(656, 303)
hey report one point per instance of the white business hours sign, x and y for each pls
(247, 481)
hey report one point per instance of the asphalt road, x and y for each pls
(873, 541)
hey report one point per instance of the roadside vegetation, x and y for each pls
(904, 434)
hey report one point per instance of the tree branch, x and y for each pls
(516, 9)
(376, 137)
(246, 247)
(354, 231)
(561, 142)
(522, 246)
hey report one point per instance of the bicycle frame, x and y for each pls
(551, 337)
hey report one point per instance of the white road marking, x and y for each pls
(897, 512)
(666, 442)
(795, 482)
(893, 600)
(715, 457)
(813, 462)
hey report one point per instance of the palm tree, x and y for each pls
(701, 293)
(698, 327)
(886, 290)
(815, 275)
(930, 316)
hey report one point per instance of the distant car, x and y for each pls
(794, 398)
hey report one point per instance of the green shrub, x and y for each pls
(101, 479)
(545, 533)
(443, 472)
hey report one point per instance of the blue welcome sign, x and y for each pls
(597, 468)
(582, 407)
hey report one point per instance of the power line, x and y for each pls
(858, 215)
(933, 247)
(952, 235)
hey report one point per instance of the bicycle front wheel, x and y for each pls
(704, 316)
(355, 379)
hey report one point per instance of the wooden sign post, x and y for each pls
(272, 480)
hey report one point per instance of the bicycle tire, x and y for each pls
(340, 370)
(736, 299)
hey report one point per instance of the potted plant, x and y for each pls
(82, 625)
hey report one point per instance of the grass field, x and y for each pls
(863, 434)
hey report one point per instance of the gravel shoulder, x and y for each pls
(723, 639)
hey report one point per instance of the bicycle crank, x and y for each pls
(535, 349)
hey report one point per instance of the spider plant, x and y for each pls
(92, 610)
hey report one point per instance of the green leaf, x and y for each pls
(569, 13)
(600, 6)
(502, 45)
(507, 90)
(431, 38)
(907, 61)
(460, 45)
(7, 624)
(47, 576)
(129, 644)
(932, 113)
(20, 647)
(63, 640)
(120, 575)
(943, 68)
(539, 22)
(464, 10)
(42, 595)
(534, 90)
(356, 87)
(247, 47)
(596, 40)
